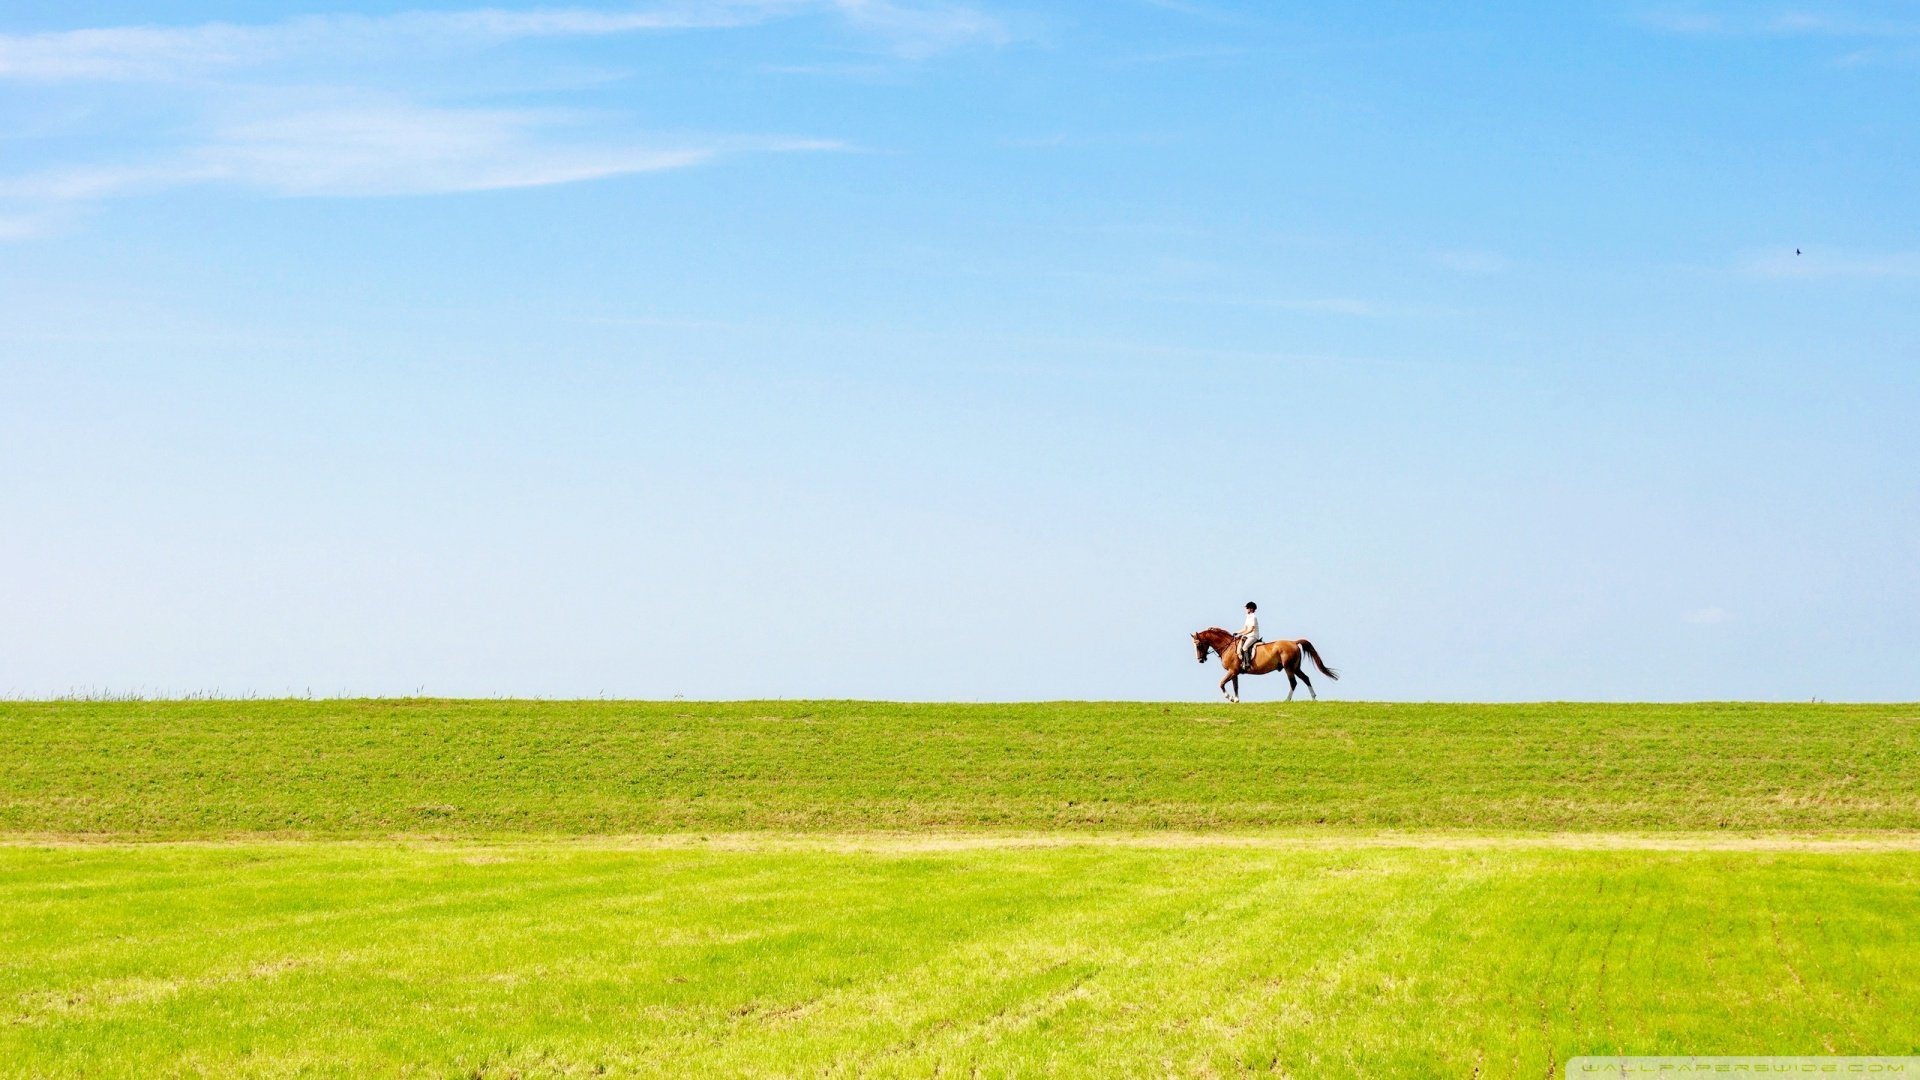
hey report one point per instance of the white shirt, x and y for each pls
(1252, 629)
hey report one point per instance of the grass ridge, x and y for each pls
(434, 767)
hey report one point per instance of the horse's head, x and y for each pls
(1212, 638)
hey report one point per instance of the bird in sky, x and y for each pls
(1796, 251)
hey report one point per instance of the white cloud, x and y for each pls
(1747, 20)
(916, 32)
(392, 149)
(1873, 39)
(412, 150)
(1684, 23)
(1206, 12)
(1706, 616)
(1180, 56)
(159, 52)
(124, 52)
(245, 111)
(1904, 54)
(1783, 264)
(21, 227)
(1353, 306)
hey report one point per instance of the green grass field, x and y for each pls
(502, 889)
(374, 768)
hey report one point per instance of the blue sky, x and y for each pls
(982, 351)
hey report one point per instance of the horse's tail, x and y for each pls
(1314, 655)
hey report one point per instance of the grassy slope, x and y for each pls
(450, 768)
(567, 959)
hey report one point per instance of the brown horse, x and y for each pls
(1267, 656)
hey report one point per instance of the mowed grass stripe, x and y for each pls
(911, 842)
(504, 768)
(574, 960)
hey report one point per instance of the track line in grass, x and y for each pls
(890, 842)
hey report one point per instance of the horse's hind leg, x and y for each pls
(1291, 685)
(1296, 671)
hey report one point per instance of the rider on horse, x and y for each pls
(1249, 636)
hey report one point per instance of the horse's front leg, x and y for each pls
(1223, 686)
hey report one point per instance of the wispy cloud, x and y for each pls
(1212, 13)
(1872, 38)
(1674, 22)
(1349, 306)
(1194, 54)
(21, 227)
(1784, 264)
(1876, 39)
(158, 52)
(1750, 20)
(288, 108)
(916, 32)
(391, 149)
